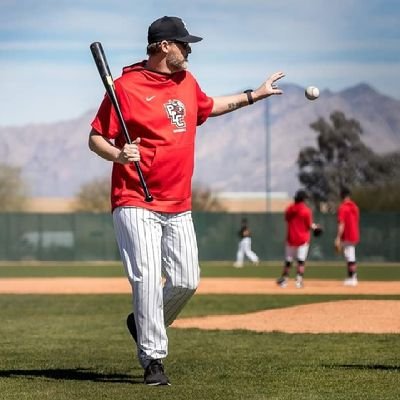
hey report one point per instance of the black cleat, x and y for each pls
(154, 374)
(130, 322)
(282, 281)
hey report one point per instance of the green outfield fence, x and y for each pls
(90, 237)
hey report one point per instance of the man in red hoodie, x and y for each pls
(348, 234)
(299, 222)
(162, 104)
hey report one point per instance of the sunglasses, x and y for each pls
(185, 45)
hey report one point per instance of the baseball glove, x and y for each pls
(338, 246)
(318, 231)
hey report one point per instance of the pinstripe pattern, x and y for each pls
(155, 245)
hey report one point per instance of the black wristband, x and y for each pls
(249, 96)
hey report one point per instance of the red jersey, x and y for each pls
(298, 218)
(349, 215)
(163, 110)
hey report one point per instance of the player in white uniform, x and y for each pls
(244, 246)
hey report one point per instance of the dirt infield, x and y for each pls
(207, 286)
(350, 316)
(371, 316)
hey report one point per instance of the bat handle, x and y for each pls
(147, 196)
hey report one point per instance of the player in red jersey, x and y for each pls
(348, 234)
(299, 223)
(162, 104)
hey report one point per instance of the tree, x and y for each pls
(204, 200)
(13, 189)
(342, 159)
(94, 196)
(385, 197)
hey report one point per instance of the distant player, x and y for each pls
(348, 234)
(299, 223)
(244, 246)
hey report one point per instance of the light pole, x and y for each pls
(267, 157)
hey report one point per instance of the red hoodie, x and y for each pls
(163, 110)
(298, 218)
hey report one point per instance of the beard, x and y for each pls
(175, 63)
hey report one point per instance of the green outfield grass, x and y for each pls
(314, 270)
(71, 347)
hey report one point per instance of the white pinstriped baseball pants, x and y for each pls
(154, 246)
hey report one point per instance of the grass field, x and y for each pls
(314, 270)
(77, 346)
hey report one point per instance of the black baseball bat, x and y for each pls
(104, 70)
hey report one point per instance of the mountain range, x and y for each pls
(234, 151)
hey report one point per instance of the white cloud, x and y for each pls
(45, 92)
(62, 45)
(44, 46)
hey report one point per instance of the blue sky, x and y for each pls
(49, 74)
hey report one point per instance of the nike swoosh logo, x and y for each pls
(149, 98)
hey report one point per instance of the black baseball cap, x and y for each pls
(170, 28)
(345, 192)
(300, 196)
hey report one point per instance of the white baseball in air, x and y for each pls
(312, 93)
